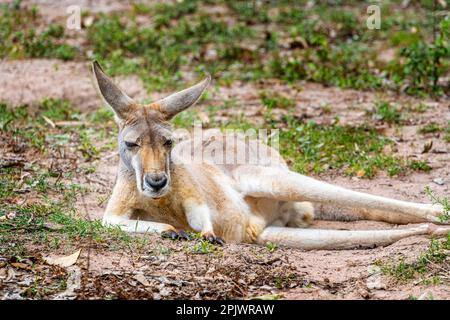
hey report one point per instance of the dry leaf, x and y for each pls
(21, 265)
(360, 173)
(427, 147)
(63, 261)
(141, 279)
(50, 122)
(53, 226)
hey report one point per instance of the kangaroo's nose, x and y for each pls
(156, 181)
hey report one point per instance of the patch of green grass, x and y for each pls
(276, 100)
(36, 126)
(430, 128)
(165, 12)
(447, 133)
(355, 150)
(21, 40)
(420, 165)
(203, 247)
(444, 202)
(57, 109)
(400, 271)
(427, 266)
(346, 65)
(271, 246)
(102, 115)
(158, 52)
(9, 181)
(185, 119)
(386, 112)
(420, 108)
(88, 149)
(250, 12)
(425, 63)
(8, 115)
(50, 191)
(31, 221)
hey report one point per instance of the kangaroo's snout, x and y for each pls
(155, 181)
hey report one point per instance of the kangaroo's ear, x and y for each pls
(182, 100)
(116, 99)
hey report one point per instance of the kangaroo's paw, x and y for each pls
(176, 235)
(436, 213)
(211, 238)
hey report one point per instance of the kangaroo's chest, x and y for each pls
(164, 210)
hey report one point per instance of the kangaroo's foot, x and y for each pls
(301, 214)
(176, 235)
(211, 238)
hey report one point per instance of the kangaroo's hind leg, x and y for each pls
(285, 185)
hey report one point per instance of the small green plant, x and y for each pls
(420, 165)
(420, 108)
(425, 63)
(275, 100)
(427, 265)
(400, 271)
(386, 112)
(444, 202)
(271, 246)
(430, 128)
(447, 133)
(20, 38)
(203, 247)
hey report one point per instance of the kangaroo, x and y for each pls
(158, 189)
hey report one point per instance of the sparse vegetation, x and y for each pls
(430, 128)
(444, 202)
(388, 113)
(432, 266)
(20, 39)
(317, 43)
(271, 246)
(356, 151)
(52, 191)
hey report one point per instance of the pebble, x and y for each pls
(439, 181)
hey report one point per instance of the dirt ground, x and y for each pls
(166, 269)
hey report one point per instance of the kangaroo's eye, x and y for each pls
(168, 143)
(130, 145)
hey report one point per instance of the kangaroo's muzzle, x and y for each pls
(155, 181)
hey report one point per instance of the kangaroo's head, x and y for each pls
(145, 135)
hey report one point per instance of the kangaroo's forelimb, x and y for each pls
(137, 226)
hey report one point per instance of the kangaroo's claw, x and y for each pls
(213, 239)
(174, 235)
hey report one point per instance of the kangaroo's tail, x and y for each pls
(334, 213)
(316, 239)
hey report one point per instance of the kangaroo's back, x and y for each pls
(227, 151)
